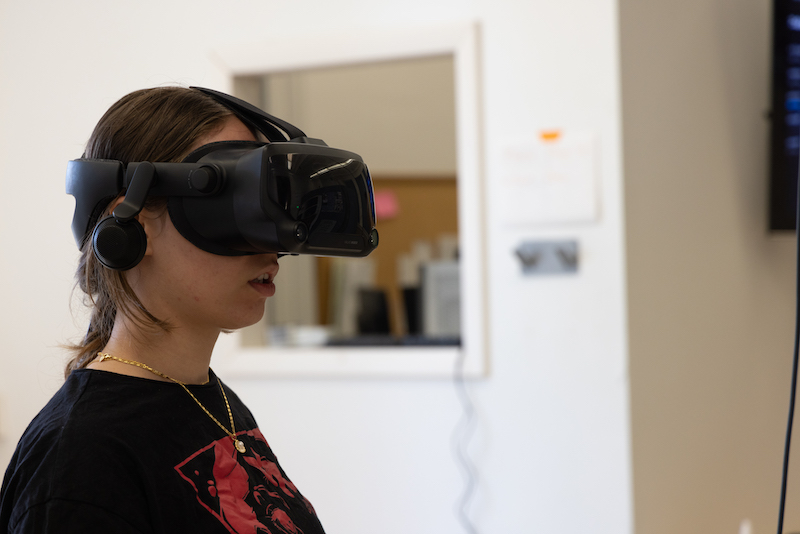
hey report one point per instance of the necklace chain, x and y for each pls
(232, 432)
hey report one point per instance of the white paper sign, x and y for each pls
(549, 178)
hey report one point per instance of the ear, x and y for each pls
(153, 223)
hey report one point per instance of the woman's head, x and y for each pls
(162, 124)
(158, 124)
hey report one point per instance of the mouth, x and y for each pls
(263, 284)
(265, 278)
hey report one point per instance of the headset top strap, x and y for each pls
(272, 127)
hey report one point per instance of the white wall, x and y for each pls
(415, 135)
(552, 445)
(711, 292)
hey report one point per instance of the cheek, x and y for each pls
(183, 277)
(200, 286)
(195, 277)
(211, 279)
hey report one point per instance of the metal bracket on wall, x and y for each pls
(548, 257)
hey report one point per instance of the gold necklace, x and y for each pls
(232, 433)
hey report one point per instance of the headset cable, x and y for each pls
(460, 441)
(793, 394)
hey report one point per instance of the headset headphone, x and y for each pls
(118, 240)
(119, 245)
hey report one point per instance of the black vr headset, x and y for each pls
(293, 195)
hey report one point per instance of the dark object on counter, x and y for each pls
(412, 302)
(373, 312)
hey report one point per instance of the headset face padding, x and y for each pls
(119, 245)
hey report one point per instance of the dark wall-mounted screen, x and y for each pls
(785, 134)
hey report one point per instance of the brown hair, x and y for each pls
(158, 124)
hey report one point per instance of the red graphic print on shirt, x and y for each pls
(247, 492)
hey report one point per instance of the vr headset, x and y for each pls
(292, 195)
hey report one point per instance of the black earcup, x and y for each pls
(119, 245)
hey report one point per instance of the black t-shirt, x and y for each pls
(119, 454)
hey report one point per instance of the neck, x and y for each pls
(182, 353)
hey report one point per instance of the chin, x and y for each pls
(242, 322)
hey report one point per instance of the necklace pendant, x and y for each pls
(239, 446)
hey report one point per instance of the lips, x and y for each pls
(265, 289)
(263, 284)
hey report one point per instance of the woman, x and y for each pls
(143, 437)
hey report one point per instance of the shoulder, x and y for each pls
(76, 450)
(76, 415)
(89, 406)
(133, 448)
(54, 419)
